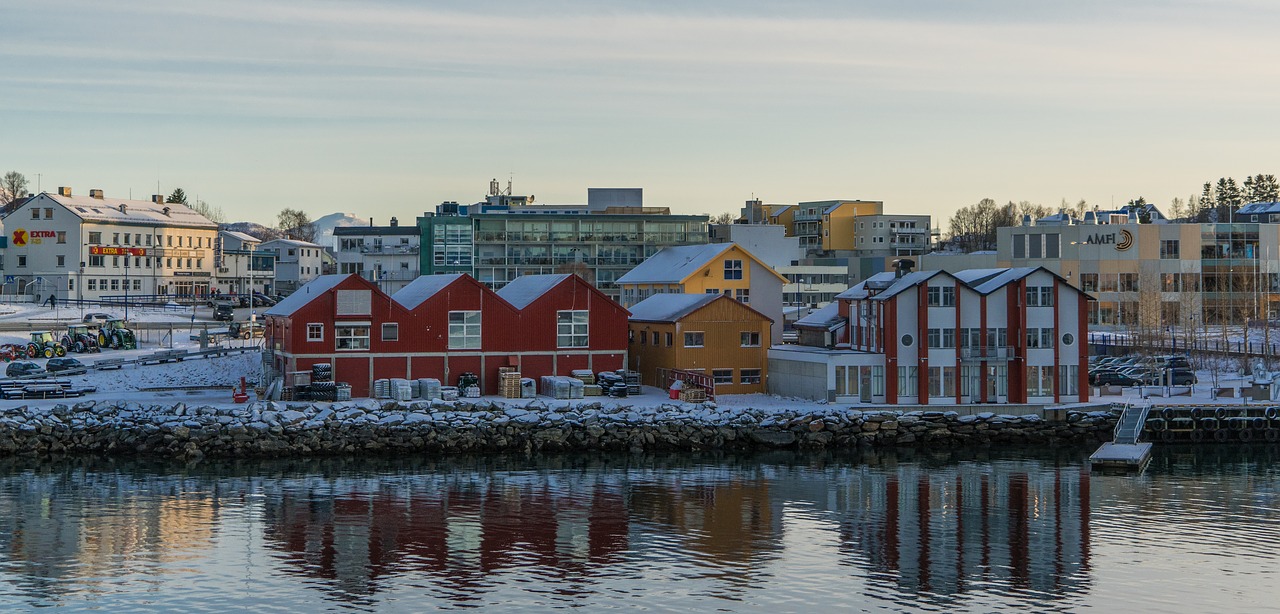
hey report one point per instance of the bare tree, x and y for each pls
(297, 225)
(210, 212)
(12, 187)
(724, 218)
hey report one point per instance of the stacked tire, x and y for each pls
(321, 372)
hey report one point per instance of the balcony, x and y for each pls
(986, 353)
(389, 250)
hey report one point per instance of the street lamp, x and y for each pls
(126, 285)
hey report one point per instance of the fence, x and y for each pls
(1102, 344)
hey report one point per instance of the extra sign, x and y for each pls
(22, 236)
(99, 250)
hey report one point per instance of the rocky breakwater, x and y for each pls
(266, 429)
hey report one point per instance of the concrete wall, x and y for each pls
(793, 378)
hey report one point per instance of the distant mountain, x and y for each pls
(324, 228)
(326, 224)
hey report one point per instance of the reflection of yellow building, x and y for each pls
(184, 526)
(728, 521)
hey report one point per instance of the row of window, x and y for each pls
(742, 294)
(745, 376)
(967, 337)
(93, 283)
(695, 339)
(942, 381)
(1040, 296)
(572, 331)
(95, 238)
(98, 261)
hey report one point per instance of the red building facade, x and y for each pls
(442, 326)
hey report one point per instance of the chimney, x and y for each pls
(903, 266)
(394, 222)
(65, 191)
(157, 199)
(95, 194)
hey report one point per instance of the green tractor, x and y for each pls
(114, 335)
(43, 343)
(80, 338)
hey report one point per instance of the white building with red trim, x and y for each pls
(1009, 335)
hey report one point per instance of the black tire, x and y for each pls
(1197, 436)
(1167, 435)
(1246, 435)
(1272, 435)
(1220, 436)
(1272, 413)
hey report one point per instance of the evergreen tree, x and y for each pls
(178, 196)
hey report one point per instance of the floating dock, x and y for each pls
(1130, 456)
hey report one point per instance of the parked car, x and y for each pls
(23, 368)
(65, 365)
(1114, 378)
(96, 318)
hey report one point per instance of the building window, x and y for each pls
(907, 340)
(390, 331)
(1169, 249)
(464, 330)
(62, 236)
(1068, 339)
(62, 260)
(733, 269)
(95, 238)
(750, 339)
(96, 261)
(35, 213)
(748, 376)
(1040, 296)
(571, 329)
(693, 340)
(712, 291)
(48, 213)
(115, 284)
(93, 285)
(935, 337)
(315, 332)
(351, 337)
(743, 295)
(22, 261)
(1089, 282)
(137, 284)
(1039, 381)
(354, 302)
(722, 376)
(669, 339)
(655, 339)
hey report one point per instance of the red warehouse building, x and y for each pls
(442, 326)
(566, 324)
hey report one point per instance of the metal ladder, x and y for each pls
(1129, 426)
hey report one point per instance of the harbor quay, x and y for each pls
(369, 427)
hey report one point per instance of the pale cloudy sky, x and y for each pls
(389, 107)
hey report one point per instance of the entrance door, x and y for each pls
(865, 384)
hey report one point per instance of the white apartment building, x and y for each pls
(297, 262)
(243, 267)
(386, 255)
(1004, 335)
(90, 247)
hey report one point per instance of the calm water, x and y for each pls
(968, 531)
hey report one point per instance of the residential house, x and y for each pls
(709, 333)
(297, 262)
(715, 268)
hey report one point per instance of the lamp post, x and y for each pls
(80, 289)
(126, 285)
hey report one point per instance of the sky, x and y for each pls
(389, 107)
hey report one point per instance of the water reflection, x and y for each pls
(955, 530)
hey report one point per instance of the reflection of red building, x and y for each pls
(457, 537)
(945, 531)
(444, 325)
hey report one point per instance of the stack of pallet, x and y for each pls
(585, 375)
(694, 395)
(509, 383)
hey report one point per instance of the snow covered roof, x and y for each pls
(1259, 208)
(673, 265)
(241, 236)
(293, 242)
(986, 281)
(669, 307)
(305, 294)
(523, 290)
(423, 288)
(823, 317)
(133, 212)
(910, 280)
(863, 289)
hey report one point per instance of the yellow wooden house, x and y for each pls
(706, 333)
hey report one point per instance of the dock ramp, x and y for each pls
(1124, 451)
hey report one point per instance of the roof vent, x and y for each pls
(95, 194)
(157, 199)
(123, 207)
(166, 211)
(394, 222)
(65, 191)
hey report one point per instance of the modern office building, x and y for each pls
(94, 246)
(1155, 277)
(389, 256)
